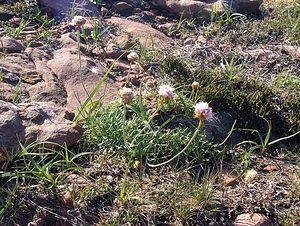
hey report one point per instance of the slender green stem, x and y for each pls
(123, 186)
(200, 125)
(80, 66)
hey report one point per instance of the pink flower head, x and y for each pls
(203, 111)
(166, 92)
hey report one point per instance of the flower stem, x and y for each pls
(200, 125)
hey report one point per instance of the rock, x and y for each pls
(201, 39)
(250, 176)
(149, 14)
(61, 8)
(10, 45)
(112, 51)
(15, 20)
(146, 35)
(255, 219)
(293, 51)
(167, 26)
(66, 67)
(246, 6)
(22, 67)
(190, 8)
(35, 121)
(229, 180)
(218, 127)
(50, 89)
(122, 7)
(97, 51)
(270, 168)
(5, 14)
(11, 126)
(66, 64)
(203, 9)
(46, 122)
(189, 41)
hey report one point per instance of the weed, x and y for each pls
(182, 28)
(15, 97)
(16, 32)
(265, 142)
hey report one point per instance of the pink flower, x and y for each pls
(203, 111)
(166, 92)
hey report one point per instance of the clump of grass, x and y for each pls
(36, 165)
(33, 18)
(280, 22)
(138, 137)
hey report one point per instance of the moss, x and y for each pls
(246, 98)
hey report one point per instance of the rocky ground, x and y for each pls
(246, 57)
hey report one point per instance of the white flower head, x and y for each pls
(166, 92)
(126, 95)
(78, 21)
(133, 56)
(203, 111)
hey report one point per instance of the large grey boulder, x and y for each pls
(204, 8)
(62, 8)
(37, 121)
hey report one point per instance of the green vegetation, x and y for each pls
(140, 136)
(145, 159)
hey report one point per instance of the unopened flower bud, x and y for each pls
(132, 57)
(78, 21)
(126, 95)
(177, 98)
(137, 165)
(195, 85)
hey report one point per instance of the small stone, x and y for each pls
(230, 181)
(250, 175)
(149, 14)
(166, 26)
(104, 11)
(255, 219)
(113, 51)
(122, 6)
(189, 41)
(160, 18)
(97, 51)
(10, 45)
(201, 39)
(270, 168)
(67, 199)
(109, 178)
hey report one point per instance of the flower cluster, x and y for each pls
(203, 111)
(166, 92)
